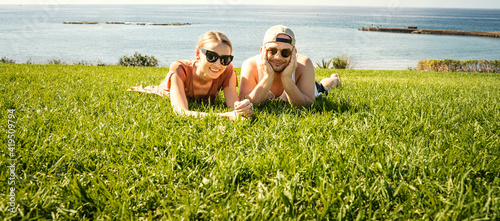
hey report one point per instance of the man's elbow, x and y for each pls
(306, 103)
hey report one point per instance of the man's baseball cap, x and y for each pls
(273, 32)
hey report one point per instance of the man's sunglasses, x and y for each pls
(284, 52)
(213, 56)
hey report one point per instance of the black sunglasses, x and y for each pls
(284, 52)
(213, 56)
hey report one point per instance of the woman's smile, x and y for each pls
(215, 70)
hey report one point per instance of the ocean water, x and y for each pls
(37, 32)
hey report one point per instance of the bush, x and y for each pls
(55, 61)
(342, 62)
(6, 60)
(339, 63)
(139, 60)
(323, 64)
(88, 63)
(450, 65)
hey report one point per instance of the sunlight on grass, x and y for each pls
(387, 145)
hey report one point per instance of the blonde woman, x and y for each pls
(203, 78)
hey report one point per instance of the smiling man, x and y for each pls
(279, 72)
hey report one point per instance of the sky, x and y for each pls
(491, 4)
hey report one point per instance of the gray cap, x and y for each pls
(273, 32)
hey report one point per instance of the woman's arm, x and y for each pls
(180, 105)
(178, 97)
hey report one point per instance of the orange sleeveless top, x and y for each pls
(185, 69)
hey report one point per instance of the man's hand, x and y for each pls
(264, 63)
(292, 65)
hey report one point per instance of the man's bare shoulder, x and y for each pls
(303, 64)
(303, 60)
(249, 65)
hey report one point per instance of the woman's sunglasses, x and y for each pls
(212, 57)
(284, 52)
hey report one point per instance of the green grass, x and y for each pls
(387, 145)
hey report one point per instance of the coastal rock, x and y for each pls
(415, 30)
(81, 22)
(125, 23)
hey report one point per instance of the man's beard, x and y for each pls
(280, 68)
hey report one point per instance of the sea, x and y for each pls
(36, 33)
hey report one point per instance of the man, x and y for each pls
(279, 72)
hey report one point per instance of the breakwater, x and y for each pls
(122, 23)
(415, 30)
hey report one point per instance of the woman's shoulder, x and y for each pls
(228, 71)
(182, 68)
(186, 63)
(229, 68)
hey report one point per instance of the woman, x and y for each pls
(203, 78)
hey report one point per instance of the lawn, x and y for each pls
(387, 145)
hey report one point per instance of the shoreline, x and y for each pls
(415, 30)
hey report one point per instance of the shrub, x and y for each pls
(339, 63)
(450, 65)
(323, 64)
(6, 60)
(85, 63)
(342, 62)
(139, 60)
(55, 61)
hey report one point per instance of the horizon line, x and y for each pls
(247, 4)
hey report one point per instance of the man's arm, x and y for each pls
(251, 88)
(300, 93)
(243, 108)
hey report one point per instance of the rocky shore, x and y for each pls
(122, 23)
(415, 30)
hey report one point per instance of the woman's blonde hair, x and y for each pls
(214, 36)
